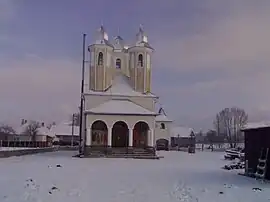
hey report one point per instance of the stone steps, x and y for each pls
(132, 156)
(137, 153)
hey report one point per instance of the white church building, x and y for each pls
(119, 107)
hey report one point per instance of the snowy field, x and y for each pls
(179, 177)
(14, 148)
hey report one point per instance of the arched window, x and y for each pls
(100, 58)
(140, 60)
(118, 63)
(162, 126)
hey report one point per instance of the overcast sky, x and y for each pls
(210, 54)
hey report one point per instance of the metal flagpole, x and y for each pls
(81, 105)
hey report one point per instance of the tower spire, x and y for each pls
(141, 28)
(141, 37)
(102, 35)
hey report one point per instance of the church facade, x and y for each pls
(119, 108)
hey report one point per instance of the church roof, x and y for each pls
(162, 117)
(123, 107)
(121, 87)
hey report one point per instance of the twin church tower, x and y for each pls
(109, 59)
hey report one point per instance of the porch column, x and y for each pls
(88, 137)
(109, 136)
(151, 138)
(130, 137)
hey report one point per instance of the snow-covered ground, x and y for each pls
(177, 177)
(13, 148)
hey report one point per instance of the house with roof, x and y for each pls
(257, 145)
(182, 137)
(22, 139)
(119, 107)
(65, 133)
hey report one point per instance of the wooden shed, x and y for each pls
(257, 140)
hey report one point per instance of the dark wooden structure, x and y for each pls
(183, 142)
(256, 139)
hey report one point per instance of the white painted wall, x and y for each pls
(163, 133)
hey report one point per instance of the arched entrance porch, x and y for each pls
(140, 134)
(120, 134)
(99, 134)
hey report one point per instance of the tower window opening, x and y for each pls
(162, 126)
(140, 60)
(118, 63)
(100, 58)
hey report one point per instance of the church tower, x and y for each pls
(101, 58)
(140, 63)
(120, 56)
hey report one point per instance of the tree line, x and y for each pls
(227, 127)
(31, 128)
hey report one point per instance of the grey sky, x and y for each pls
(214, 54)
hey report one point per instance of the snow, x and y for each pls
(121, 87)
(162, 118)
(13, 148)
(118, 106)
(256, 125)
(181, 131)
(177, 177)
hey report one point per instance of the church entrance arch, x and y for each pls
(99, 134)
(140, 134)
(120, 134)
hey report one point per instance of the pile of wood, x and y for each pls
(235, 165)
(232, 154)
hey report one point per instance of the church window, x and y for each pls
(100, 58)
(162, 126)
(118, 63)
(140, 60)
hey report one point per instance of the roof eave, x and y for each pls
(255, 128)
(149, 47)
(119, 95)
(125, 114)
(164, 120)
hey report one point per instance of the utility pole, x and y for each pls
(72, 130)
(178, 142)
(82, 98)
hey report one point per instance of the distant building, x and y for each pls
(13, 140)
(182, 137)
(63, 134)
(257, 142)
(21, 139)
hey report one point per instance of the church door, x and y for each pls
(120, 134)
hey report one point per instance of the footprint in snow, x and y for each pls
(54, 188)
(74, 192)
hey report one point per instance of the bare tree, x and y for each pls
(6, 129)
(32, 130)
(229, 122)
(217, 124)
